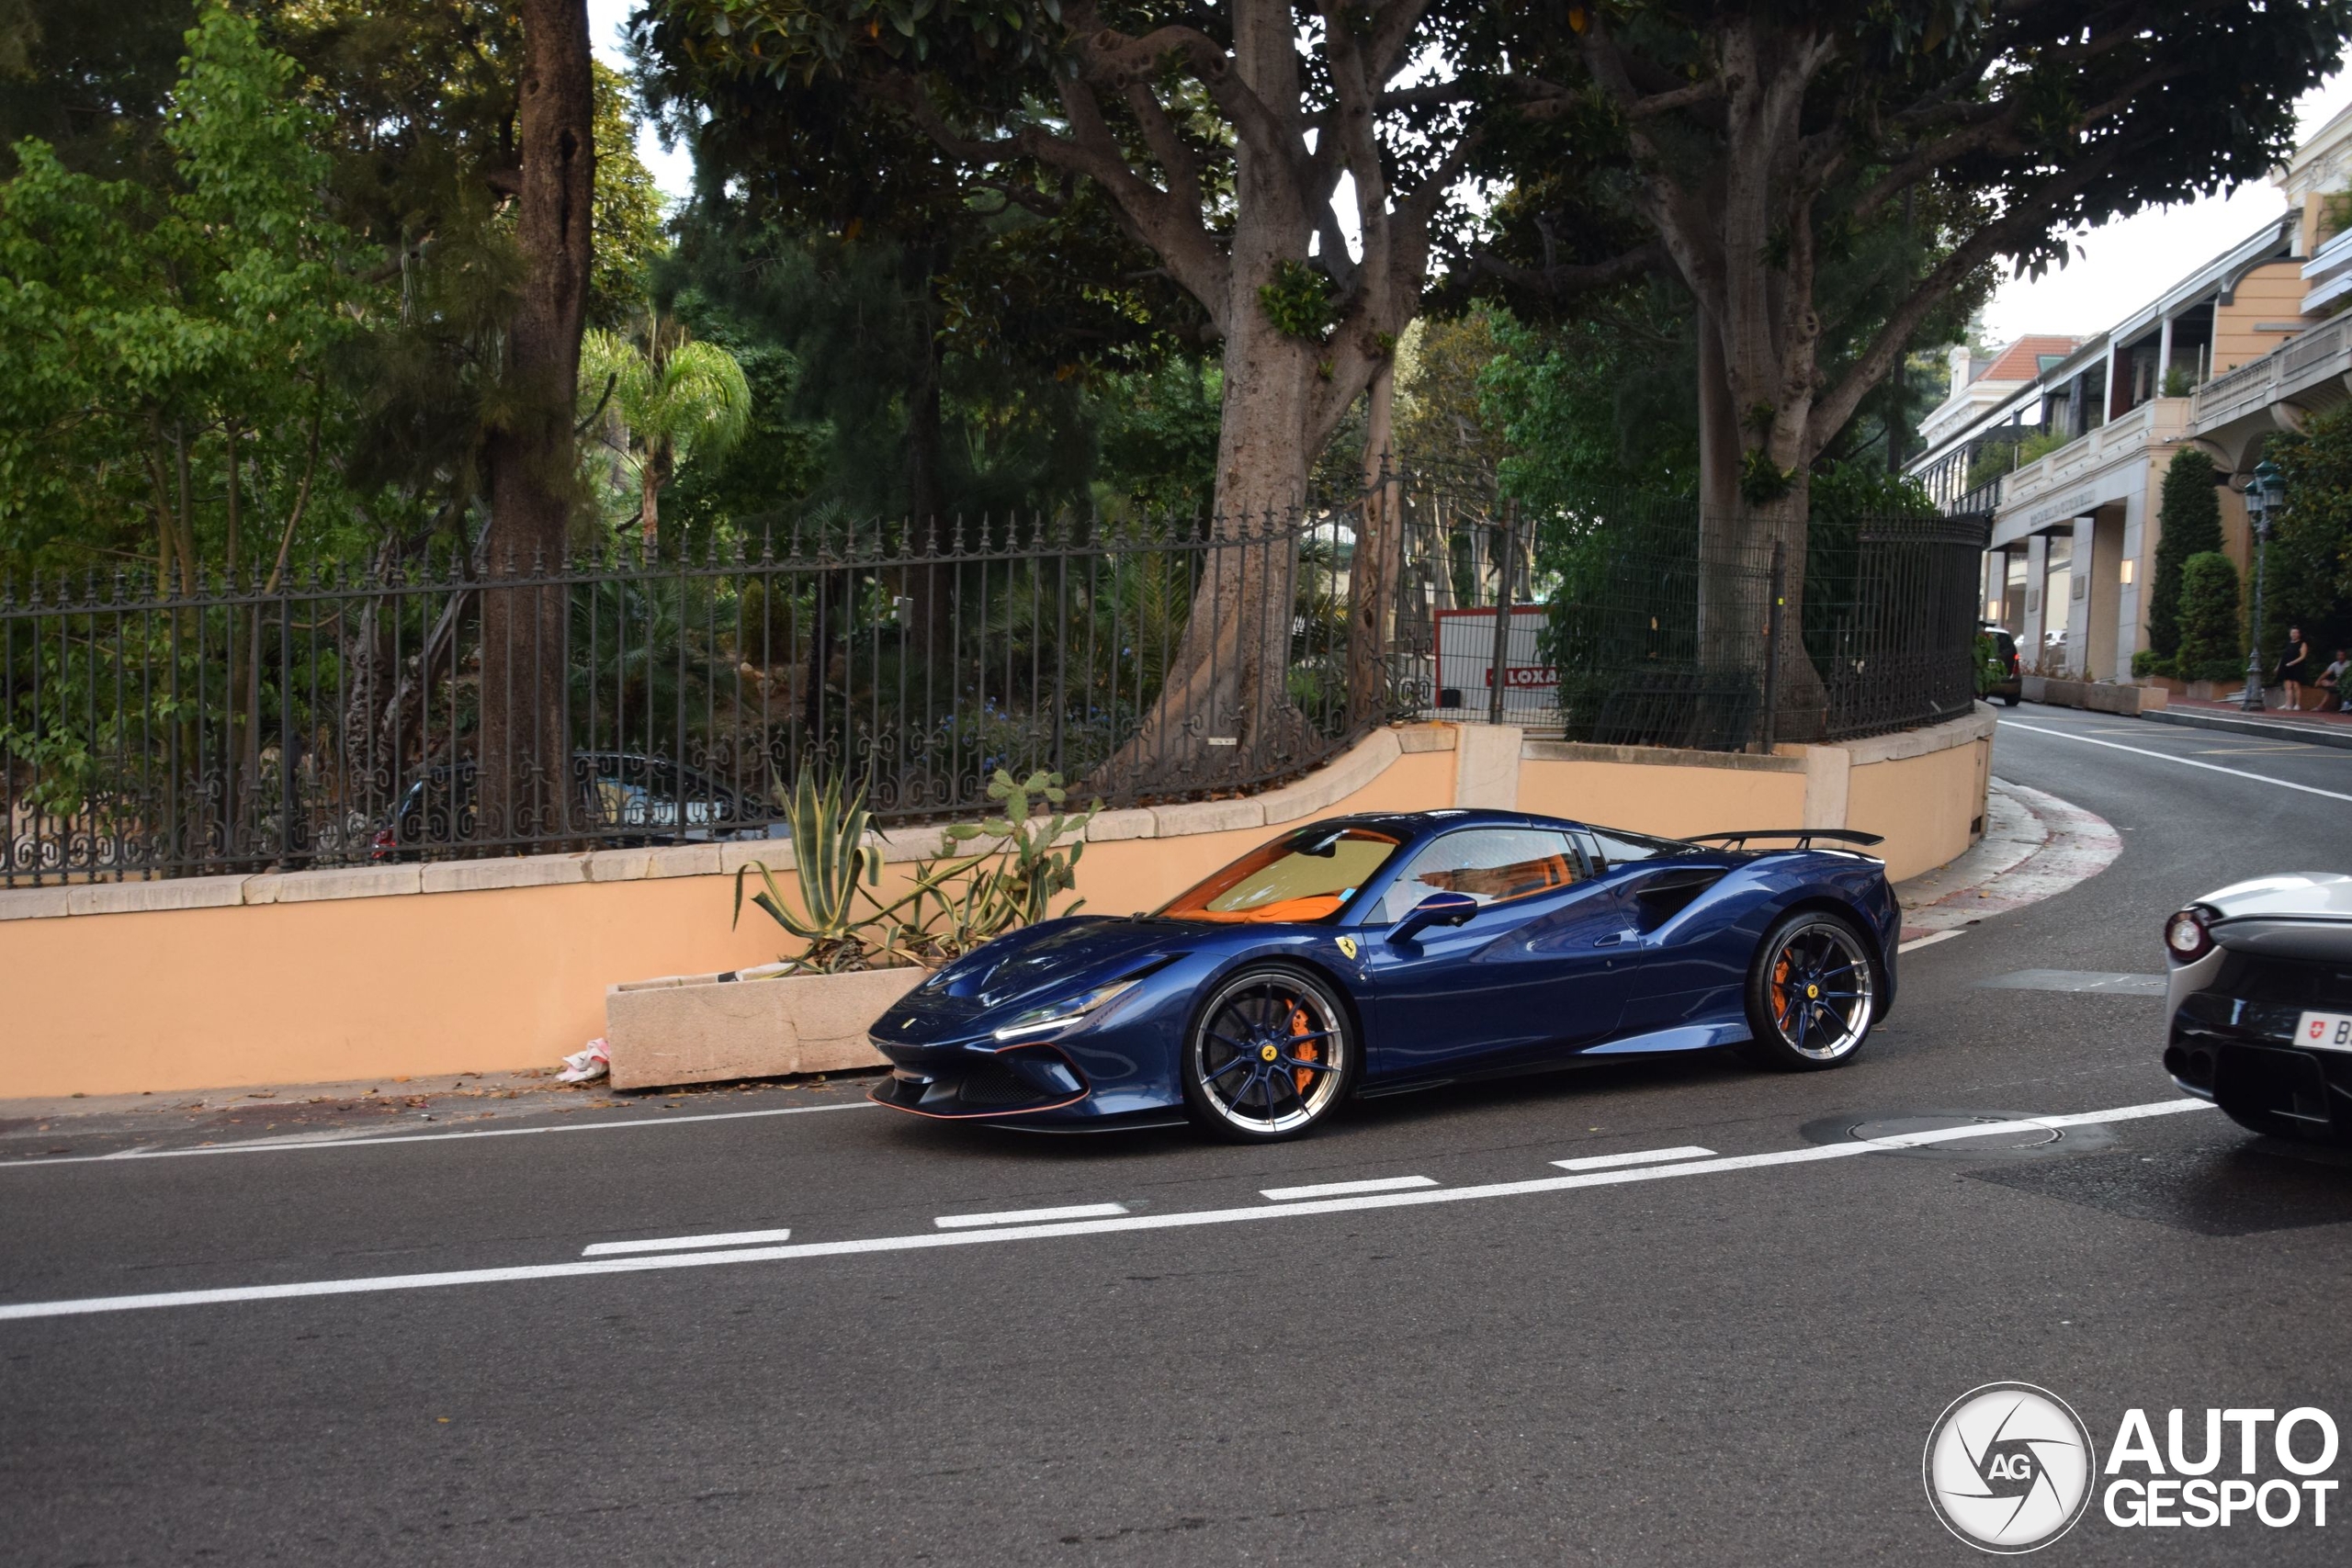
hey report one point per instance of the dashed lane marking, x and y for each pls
(1029, 1216)
(1639, 1156)
(677, 1242)
(1342, 1189)
(974, 1237)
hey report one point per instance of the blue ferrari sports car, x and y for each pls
(1370, 954)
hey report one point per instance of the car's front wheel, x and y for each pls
(1268, 1056)
(1810, 993)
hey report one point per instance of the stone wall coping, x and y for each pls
(1659, 756)
(1300, 799)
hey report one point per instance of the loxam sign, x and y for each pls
(1466, 664)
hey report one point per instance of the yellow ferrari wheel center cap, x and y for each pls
(1812, 992)
(1267, 1053)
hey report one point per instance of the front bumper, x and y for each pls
(966, 1085)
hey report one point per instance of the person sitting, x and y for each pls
(2330, 682)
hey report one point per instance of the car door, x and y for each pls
(1539, 968)
(1689, 968)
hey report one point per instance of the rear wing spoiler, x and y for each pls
(1803, 837)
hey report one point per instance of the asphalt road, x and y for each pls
(1738, 1363)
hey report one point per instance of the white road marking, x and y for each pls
(20, 1310)
(673, 1242)
(1341, 1188)
(1639, 1156)
(1029, 1216)
(1928, 940)
(2184, 761)
(368, 1141)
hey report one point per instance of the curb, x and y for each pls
(2035, 846)
(2268, 730)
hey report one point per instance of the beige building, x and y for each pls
(2245, 345)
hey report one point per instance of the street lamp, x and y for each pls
(2264, 491)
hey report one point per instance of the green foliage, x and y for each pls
(2310, 580)
(1301, 301)
(2180, 382)
(952, 904)
(1592, 403)
(1015, 884)
(831, 855)
(1991, 668)
(2189, 523)
(2147, 661)
(1156, 440)
(2212, 643)
(627, 222)
(140, 324)
(1762, 482)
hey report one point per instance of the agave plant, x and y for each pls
(830, 852)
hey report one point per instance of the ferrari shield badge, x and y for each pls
(1348, 945)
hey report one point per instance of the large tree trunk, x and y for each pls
(523, 779)
(1223, 713)
(1372, 569)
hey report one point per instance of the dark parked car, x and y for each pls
(2011, 687)
(2260, 1003)
(620, 799)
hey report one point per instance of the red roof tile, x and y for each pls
(2021, 360)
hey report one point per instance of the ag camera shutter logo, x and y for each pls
(2009, 1467)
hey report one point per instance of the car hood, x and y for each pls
(1044, 959)
(2300, 895)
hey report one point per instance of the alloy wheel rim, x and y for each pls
(1820, 992)
(1270, 1055)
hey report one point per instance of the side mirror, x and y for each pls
(1436, 909)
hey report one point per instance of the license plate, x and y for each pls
(2324, 1032)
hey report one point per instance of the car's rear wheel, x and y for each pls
(1268, 1056)
(1810, 992)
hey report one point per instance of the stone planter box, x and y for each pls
(706, 1028)
(2096, 696)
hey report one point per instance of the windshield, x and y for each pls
(1307, 876)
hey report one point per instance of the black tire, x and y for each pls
(1251, 1073)
(1825, 1024)
(2013, 701)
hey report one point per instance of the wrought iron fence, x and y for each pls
(355, 718)
(350, 719)
(1629, 623)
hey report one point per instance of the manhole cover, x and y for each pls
(1889, 1128)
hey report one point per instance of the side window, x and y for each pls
(1491, 865)
(1619, 848)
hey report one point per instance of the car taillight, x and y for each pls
(2187, 936)
(2013, 663)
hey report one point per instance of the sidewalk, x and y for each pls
(2035, 847)
(2311, 728)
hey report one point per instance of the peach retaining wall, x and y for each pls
(490, 966)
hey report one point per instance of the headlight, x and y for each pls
(2187, 936)
(1055, 1015)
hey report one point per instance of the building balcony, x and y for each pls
(2329, 273)
(2156, 421)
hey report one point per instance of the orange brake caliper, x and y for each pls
(1301, 1024)
(1780, 990)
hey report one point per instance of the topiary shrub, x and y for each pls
(2211, 646)
(2188, 523)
